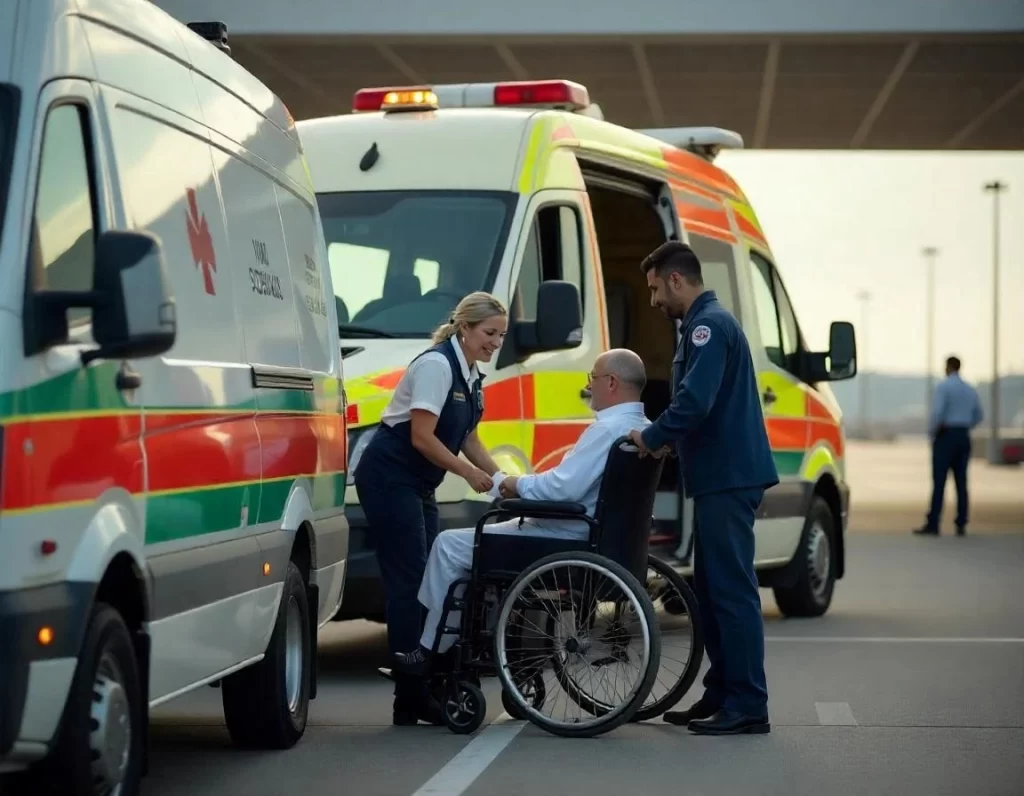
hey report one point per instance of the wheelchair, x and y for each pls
(529, 614)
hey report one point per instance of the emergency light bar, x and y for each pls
(552, 94)
(704, 141)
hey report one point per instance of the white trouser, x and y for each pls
(451, 558)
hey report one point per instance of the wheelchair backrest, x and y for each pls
(625, 506)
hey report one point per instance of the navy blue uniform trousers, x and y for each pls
(725, 585)
(951, 450)
(405, 523)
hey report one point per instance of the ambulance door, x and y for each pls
(784, 403)
(554, 399)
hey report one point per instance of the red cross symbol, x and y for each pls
(201, 242)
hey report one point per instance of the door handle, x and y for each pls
(769, 395)
(127, 379)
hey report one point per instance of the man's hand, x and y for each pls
(507, 488)
(637, 439)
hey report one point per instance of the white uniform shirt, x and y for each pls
(577, 478)
(425, 385)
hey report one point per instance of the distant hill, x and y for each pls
(900, 402)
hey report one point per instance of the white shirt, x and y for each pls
(577, 478)
(425, 385)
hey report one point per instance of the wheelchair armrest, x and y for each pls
(547, 507)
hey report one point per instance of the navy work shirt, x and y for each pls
(715, 418)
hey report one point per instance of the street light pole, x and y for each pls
(865, 298)
(995, 188)
(929, 253)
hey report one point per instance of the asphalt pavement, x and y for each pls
(912, 683)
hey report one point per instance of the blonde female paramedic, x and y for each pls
(431, 418)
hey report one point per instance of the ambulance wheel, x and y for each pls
(815, 562)
(464, 708)
(266, 705)
(99, 747)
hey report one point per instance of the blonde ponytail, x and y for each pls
(472, 310)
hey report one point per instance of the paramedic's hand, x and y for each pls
(508, 487)
(479, 480)
(637, 439)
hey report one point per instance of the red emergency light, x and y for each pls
(560, 93)
(563, 94)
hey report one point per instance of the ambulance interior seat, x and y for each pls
(617, 300)
(398, 289)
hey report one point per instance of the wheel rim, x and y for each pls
(819, 560)
(570, 646)
(111, 737)
(461, 710)
(293, 654)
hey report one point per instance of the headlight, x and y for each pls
(358, 440)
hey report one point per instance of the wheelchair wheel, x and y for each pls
(532, 689)
(568, 590)
(464, 708)
(682, 638)
(678, 623)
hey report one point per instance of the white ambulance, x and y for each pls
(172, 420)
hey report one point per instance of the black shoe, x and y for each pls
(961, 530)
(926, 531)
(700, 709)
(414, 702)
(729, 722)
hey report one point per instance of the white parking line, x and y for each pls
(835, 714)
(462, 770)
(890, 640)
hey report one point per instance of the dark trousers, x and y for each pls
(403, 524)
(951, 450)
(730, 603)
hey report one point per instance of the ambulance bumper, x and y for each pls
(364, 591)
(35, 678)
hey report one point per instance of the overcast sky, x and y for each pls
(843, 222)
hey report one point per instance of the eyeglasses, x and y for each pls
(592, 376)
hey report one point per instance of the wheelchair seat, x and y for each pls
(619, 529)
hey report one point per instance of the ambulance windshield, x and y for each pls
(401, 260)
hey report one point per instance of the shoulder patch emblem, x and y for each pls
(700, 335)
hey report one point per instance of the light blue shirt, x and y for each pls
(577, 478)
(956, 405)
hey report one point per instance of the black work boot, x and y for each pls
(413, 702)
(701, 709)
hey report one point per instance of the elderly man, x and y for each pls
(616, 383)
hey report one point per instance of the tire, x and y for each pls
(536, 691)
(465, 709)
(266, 705)
(683, 601)
(604, 720)
(815, 561)
(104, 711)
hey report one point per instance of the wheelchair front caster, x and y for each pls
(464, 709)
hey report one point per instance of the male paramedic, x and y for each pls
(716, 423)
(616, 383)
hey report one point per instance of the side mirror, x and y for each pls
(840, 361)
(134, 313)
(559, 323)
(842, 351)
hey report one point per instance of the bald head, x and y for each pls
(628, 383)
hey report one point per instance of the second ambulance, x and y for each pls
(429, 193)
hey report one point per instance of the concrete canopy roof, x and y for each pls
(941, 91)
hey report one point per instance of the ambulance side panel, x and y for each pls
(202, 448)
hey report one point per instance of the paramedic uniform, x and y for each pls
(717, 426)
(396, 483)
(576, 479)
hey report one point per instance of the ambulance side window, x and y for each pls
(61, 256)
(764, 306)
(554, 250)
(791, 343)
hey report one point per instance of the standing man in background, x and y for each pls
(717, 426)
(955, 411)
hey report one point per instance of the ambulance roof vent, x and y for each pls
(706, 142)
(214, 32)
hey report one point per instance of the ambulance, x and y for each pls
(522, 189)
(172, 422)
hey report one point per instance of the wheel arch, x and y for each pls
(828, 490)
